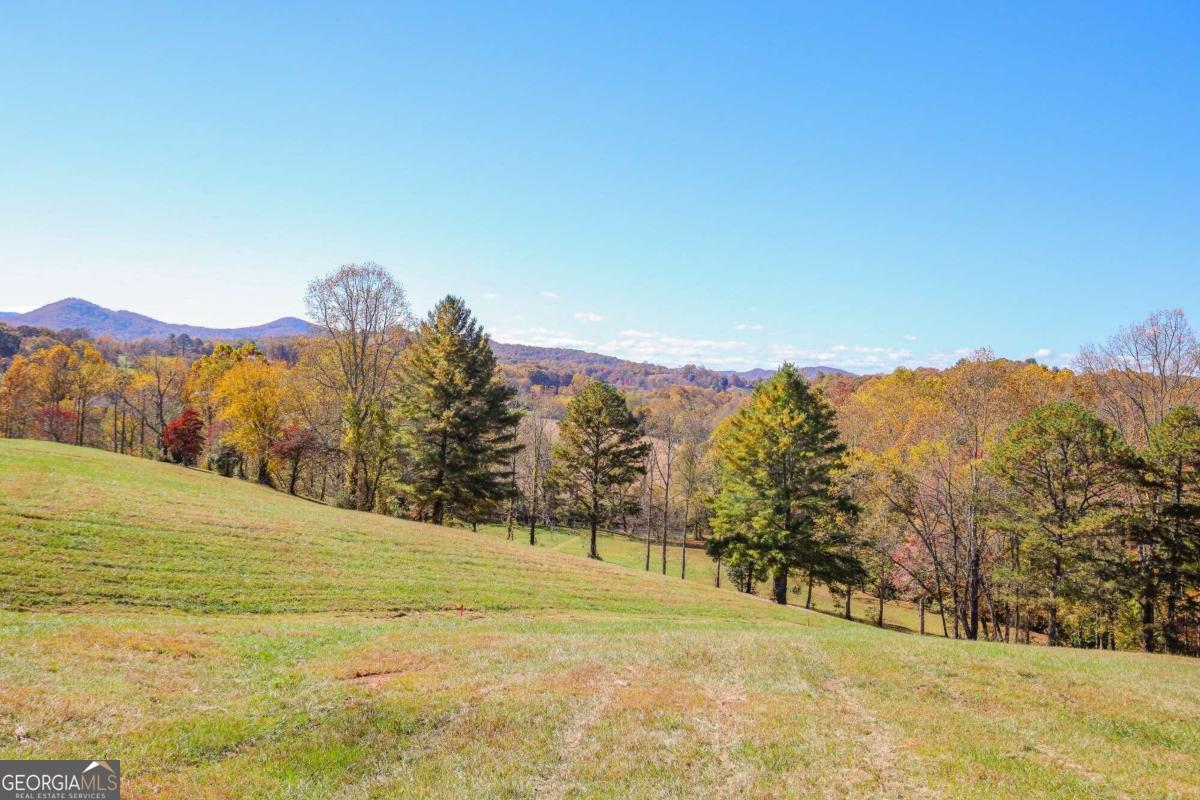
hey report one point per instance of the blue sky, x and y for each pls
(863, 185)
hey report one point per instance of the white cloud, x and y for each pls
(909, 337)
(1042, 352)
(746, 326)
(548, 295)
(541, 337)
(944, 359)
(663, 348)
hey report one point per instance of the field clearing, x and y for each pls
(617, 548)
(224, 641)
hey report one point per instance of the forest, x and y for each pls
(1010, 500)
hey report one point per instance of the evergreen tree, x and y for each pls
(1173, 461)
(1065, 468)
(777, 457)
(459, 427)
(599, 450)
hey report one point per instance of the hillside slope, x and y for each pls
(224, 640)
(73, 312)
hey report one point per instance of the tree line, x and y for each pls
(1012, 501)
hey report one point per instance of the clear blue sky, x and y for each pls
(855, 184)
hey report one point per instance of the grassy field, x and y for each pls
(224, 640)
(617, 548)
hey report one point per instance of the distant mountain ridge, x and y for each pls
(97, 320)
(759, 374)
(128, 325)
(622, 372)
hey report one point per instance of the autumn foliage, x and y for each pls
(183, 438)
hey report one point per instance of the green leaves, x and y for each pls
(777, 456)
(599, 450)
(458, 426)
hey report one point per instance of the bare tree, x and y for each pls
(693, 464)
(162, 379)
(665, 433)
(534, 434)
(365, 313)
(1144, 371)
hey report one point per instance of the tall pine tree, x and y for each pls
(599, 450)
(458, 425)
(1065, 470)
(1173, 467)
(777, 456)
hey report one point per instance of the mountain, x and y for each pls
(525, 353)
(128, 325)
(99, 321)
(759, 374)
(557, 366)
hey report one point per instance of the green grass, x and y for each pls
(618, 548)
(224, 640)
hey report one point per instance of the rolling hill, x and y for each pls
(212, 633)
(126, 325)
(75, 313)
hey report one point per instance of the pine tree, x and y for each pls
(459, 427)
(777, 457)
(1065, 469)
(599, 450)
(1172, 462)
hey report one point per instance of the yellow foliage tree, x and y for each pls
(250, 400)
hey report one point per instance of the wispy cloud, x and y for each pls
(542, 337)
(946, 358)
(1042, 352)
(488, 295)
(747, 326)
(663, 348)
(909, 337)
(548, 295)
(669, 349)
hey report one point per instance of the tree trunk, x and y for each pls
(439, 507)
(1052, 611)
(649, 537)
(780, 587)
(533, 516)
(849, 594)
(973, 585)
(808, 599)
(593, 521)
(264, 475)
(921, 611)
(683, 544)
(1149, 644)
